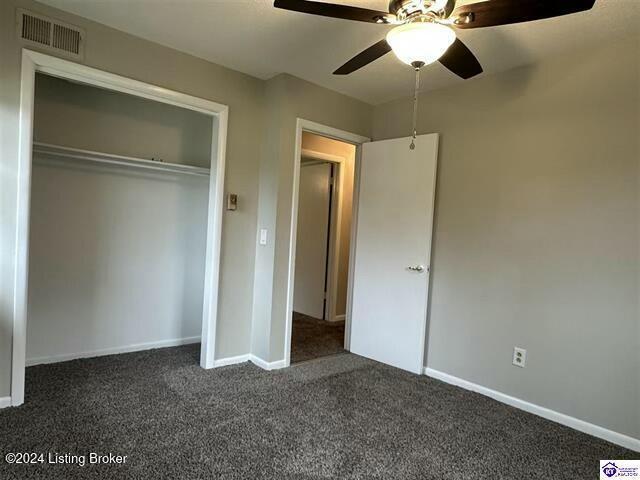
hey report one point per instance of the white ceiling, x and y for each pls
(253, 37)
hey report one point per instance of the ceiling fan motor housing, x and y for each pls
(406, 8)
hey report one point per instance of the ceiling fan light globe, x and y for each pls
(420, 42)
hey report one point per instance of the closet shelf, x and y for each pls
(107, 158)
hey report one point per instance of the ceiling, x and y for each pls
(253, 37)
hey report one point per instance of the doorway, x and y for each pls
(325, 199)
(33, 62)
(390, 246)
(119, 205)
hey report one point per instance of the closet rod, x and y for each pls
(107, 158)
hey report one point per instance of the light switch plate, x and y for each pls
(232, 202)
(263, 236)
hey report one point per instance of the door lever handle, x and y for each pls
(417, 268)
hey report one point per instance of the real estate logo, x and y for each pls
(619, 469)
(610, 469)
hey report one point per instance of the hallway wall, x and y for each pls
(348, 152)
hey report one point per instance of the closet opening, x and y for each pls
(119, 217)
(119, 195)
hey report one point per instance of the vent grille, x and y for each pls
(67, 39)
(36, 30)
(50, 34)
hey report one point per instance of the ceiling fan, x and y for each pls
(424, 29)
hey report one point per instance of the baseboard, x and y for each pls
(112, 351)
(572, 422)
(223, 362)
(5, 402)
(267, 365)
(339, 318)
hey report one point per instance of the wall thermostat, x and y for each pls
(232, 201)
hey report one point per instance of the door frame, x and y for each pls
(33, 62)
(343, 136)
(335, 230)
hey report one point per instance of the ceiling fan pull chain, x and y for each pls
(415, 109)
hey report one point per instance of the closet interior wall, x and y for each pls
(117, 252)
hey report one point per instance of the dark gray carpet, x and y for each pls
(339, 417)
(313, 338)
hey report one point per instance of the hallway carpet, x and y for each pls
(339, 417)
(312, 338)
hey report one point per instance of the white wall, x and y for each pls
(116, 259)
(537, 231)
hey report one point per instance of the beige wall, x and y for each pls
(329, 146)
(123, 54)
(252, 102)
(288, 98)
(536, 232)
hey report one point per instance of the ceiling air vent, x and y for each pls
(50, 34)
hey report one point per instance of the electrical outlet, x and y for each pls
(519, 357)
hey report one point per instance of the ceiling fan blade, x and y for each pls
(449, 7)
(503, 12)
(461, 61)
(336, 11)
(365, 57)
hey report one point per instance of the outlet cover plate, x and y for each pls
(519, 357)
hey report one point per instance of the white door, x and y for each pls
(393, 249)
(312, 239)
